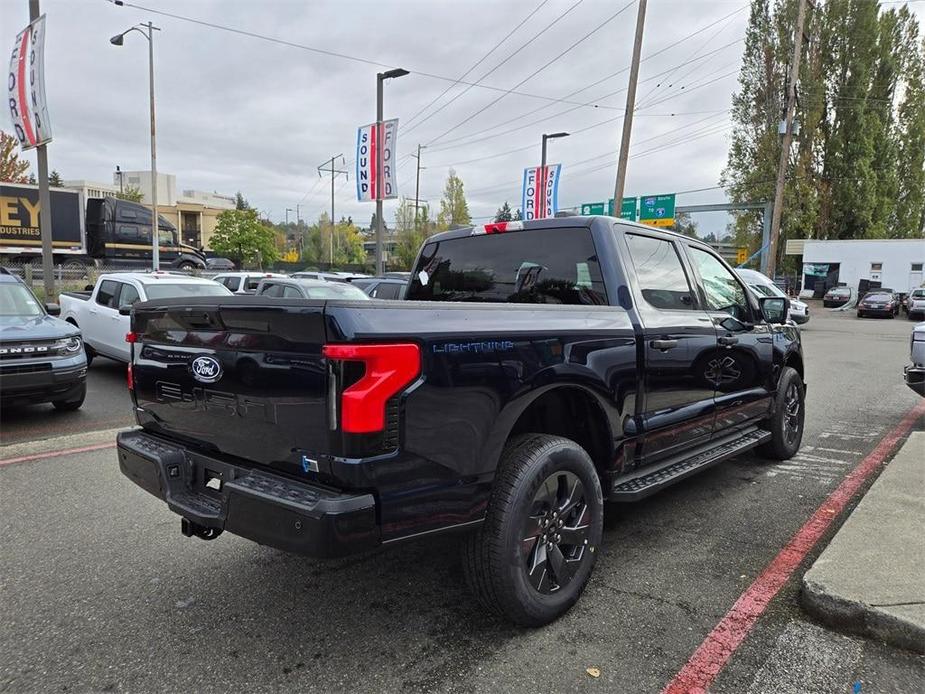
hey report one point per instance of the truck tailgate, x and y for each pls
(235, 375)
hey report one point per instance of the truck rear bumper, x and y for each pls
(264, 507)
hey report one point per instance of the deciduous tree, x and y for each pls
(454, 211)
(240, 236)
(12, 168)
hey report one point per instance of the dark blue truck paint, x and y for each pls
(651, 390)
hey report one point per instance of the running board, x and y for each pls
(648, 481)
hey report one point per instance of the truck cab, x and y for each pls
(119, 233)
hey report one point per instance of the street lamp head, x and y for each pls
(397, 72)
(554, 135)
(117, 40)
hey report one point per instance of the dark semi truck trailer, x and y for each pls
(98, 231)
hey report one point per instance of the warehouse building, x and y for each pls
(860, 264)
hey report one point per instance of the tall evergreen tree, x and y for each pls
(504, 213)
(54, 179)
(908, 215)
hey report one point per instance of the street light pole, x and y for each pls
(380, 78)
(118, 40)
(541, 213)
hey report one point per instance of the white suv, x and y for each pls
(915, 304)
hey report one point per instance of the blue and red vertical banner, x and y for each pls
(540, 197)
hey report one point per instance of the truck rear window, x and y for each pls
(541, 266)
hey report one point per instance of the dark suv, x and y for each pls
(41, 357)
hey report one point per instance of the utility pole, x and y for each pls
(788, 138)
(630, 107)
(298, 215)
(334, 173)
(41, 155)
(417, 186)
(288, 210)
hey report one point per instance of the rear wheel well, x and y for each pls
(573, 414)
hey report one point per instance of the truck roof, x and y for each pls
(155, 277)
(549, 223)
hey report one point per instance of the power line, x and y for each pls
(465, 141)
(568, 96)
(538, 70)
(343, 56)
(526, 43)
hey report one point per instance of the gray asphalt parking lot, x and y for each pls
(102, 592)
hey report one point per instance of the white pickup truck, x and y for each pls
(97, 313)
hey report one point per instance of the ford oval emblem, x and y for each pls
(206, 369)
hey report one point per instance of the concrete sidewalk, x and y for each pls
(871, 578)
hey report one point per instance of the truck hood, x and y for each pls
(192, 250)
(21, 328)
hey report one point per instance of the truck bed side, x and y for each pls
(484, 369)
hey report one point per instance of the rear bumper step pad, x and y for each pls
(270, 509)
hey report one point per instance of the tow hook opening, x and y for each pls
(191, 529)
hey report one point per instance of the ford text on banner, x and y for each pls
(540, 198)
(366, 161)
(26, 87)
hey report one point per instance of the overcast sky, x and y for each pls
(240, 113)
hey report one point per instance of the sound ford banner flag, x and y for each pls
(26, 87)
(366, 161)
(541, 193)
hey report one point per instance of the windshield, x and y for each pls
(918, 294)
(879, 296)
(336, 291)
(174, 291)
(767, 290)
(16, 300)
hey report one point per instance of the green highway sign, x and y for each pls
(657, 210)
(590, 208)
(627, 210)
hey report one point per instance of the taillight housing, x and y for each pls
(388, 368)
(131, 337)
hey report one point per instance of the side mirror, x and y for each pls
(774, 309)
(125, 310)
(53, 309)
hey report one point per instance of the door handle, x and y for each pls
(663, 345)
(728, 340)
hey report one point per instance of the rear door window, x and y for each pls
(272, 290)
(291, 293)
(541, 266)
(106, 294)
(659, 272)
(252, 282)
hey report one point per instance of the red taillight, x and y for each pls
(131, 337)
(389, 368)
(130, 378)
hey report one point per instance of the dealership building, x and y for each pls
(860, 264)
(194, 212)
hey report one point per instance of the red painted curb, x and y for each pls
(720, 644)
(55, 454)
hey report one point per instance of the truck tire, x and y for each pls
(786, 422)
(187, 266)
(71, 405)
(532, 557)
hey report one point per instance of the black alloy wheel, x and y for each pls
(556, 532)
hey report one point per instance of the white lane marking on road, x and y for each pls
(829, 450)
(844, 435)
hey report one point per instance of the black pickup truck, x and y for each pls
(533, 371)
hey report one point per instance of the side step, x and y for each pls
(649, 481)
